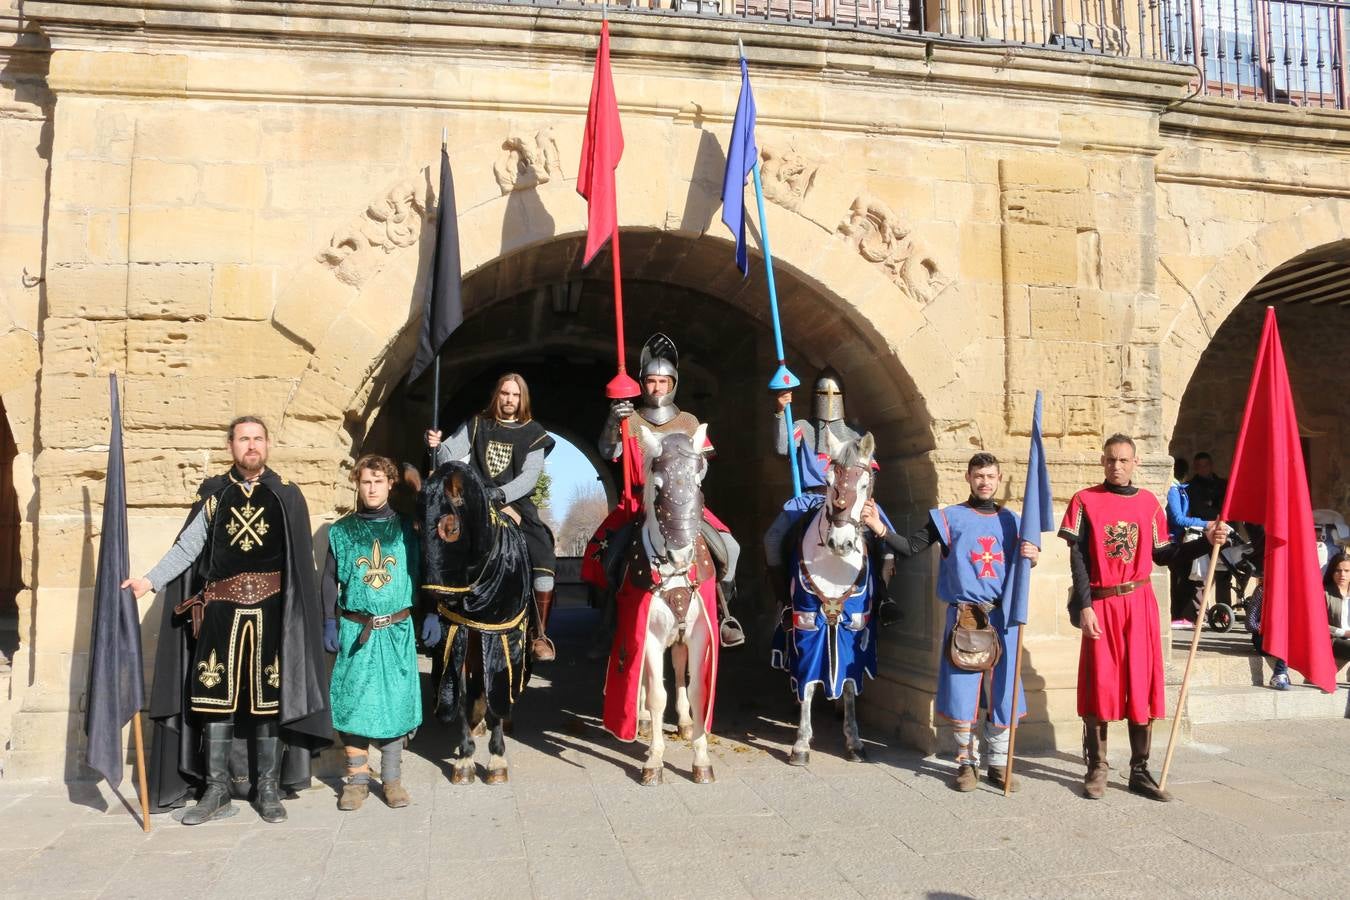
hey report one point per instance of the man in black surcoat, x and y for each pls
(240, 646)
(507, 447)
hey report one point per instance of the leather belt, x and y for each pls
(373, 623)
(245, 589)
(1118, 590)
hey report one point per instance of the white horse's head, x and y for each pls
(674, 467)
(849, 485)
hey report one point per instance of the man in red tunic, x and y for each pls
(1116, 533)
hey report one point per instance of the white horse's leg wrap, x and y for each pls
(656, 700)
(690, 671)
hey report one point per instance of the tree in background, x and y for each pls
(585, 512)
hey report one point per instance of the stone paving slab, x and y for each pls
(1262, 810)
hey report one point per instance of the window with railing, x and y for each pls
(1282, 51)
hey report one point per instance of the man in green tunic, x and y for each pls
(368, 584)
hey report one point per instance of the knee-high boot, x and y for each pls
(215, 802)
(1141, 782)
(268, 801)
(1094, 753)
(541, 648)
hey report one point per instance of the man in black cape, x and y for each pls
(240, 649)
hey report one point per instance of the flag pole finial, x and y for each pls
(740, 48)
(445, 136)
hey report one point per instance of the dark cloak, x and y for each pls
(480, 587)
(305, 719)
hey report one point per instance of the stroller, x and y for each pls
(1242, 556)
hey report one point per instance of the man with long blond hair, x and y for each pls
(508, 447)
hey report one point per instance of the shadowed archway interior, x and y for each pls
(538, 313)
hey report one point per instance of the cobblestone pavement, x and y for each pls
(1262, 811)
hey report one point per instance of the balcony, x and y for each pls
(1263, 51)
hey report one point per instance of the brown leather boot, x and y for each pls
(967, 778)
(995, 776)
(357, 788)
(396, 796)
(541, 648)
(1094, 752)
(1141, 782)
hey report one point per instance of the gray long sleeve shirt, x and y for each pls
(181, 555)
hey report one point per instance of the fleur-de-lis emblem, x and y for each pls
(377, 567)
(273, 672)
(211, 671)
(247, 528)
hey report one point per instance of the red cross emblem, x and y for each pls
(985, 558)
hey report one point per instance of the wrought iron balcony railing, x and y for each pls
(1274, 51)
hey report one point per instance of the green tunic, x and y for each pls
(375, 691)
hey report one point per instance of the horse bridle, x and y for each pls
(850, 475)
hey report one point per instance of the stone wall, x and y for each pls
(236, 221)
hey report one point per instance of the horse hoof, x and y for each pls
(703, 775)
(651, 777)
(686, 732)
(799, 758)
(496, 776)
(857, 754)
(461, 775)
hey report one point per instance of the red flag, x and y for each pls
(1268, 486)
(601, 150)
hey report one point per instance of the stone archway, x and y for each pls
(1224, 286)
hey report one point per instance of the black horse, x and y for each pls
(476, 577)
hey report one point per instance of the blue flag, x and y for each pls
(1038, 517)
(741, 158)
(116, 687)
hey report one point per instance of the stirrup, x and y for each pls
(738, 639)
(553, 650)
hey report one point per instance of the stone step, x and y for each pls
(1213, 704)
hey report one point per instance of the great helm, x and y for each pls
(828, 397)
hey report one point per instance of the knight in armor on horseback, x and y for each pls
(810, 441)
(657, 415)
(507, 447)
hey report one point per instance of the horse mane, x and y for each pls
(452, 562)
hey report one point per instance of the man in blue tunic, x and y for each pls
(980, 544)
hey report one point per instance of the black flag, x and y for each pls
(444, 310)
(116, 681)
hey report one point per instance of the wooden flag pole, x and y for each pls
(140, 770)
(1186, 676)
(1013, 717)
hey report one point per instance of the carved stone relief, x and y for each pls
(526, 163)
(357, 251)
(884, 238)
(787, 176)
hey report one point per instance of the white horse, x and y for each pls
(831, 640)
(670, 559)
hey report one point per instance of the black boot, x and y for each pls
(241, 779)
(1094, 754)
(1141, 782)
(268, 801)
(215, 801)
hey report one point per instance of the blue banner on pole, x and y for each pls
(742, 155)
(1038, 517)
